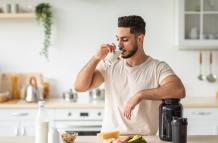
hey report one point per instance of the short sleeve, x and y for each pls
(164, 70)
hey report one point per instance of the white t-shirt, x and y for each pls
(121, 83)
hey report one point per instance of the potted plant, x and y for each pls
(44, 15)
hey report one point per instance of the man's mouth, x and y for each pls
(123, 51)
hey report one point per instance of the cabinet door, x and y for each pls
(197, 24)
(18, 114)
(203, 127)
(9, 128)
(202, 121)
(27, 128)
(20, 122)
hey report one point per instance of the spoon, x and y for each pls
(211, 77)
(200, 76)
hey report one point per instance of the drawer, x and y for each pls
(201, 113)
(79, 114)
(22, 114)
(18, 114)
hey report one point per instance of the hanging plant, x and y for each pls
(44, 15)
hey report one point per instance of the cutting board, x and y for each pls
(22, 79)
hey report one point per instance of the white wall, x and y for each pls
(80, 26)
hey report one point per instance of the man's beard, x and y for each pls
(131, 52)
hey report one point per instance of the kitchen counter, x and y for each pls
(93, 139)
(200, 102)
(52, 103)
(188, 102)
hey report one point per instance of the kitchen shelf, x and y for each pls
(197, 22)
(17, 15)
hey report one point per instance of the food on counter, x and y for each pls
(114, 137)
(136, 139)
(108, 135)
(4, 96)
(68, 136)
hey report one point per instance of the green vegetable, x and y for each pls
(137, 139)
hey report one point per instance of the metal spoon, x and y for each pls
(200, 76)
(211, 77)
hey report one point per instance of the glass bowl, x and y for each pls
(68, 136)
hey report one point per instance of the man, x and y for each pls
(134, 85)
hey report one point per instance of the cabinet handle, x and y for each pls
(99, 113)
(202, 113)
(22, 133)
(20, 114)
(217, 130)
(69, 114)
(16, 132)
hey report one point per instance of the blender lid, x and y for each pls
(179, 121)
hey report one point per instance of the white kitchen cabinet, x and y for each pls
(197, 24)
(19, 122)
(202, 121)
(9, 128)
(27, 128)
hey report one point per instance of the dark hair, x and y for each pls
(136, 23)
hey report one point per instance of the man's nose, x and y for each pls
(120, 47)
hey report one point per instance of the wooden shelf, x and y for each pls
(17, 15)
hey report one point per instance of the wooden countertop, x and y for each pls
(188, 102)
(200, 102)
(93, 139)
(51, 103)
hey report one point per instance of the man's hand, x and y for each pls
(133, 101)
(104, 50)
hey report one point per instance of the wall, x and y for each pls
(80, 26)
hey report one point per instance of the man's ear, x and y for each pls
(140, 38)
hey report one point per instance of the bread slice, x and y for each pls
(109, 135)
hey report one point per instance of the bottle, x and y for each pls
(179, 130)
(168, 109)
(217, 95)
(45, 89)
(14, 84)
(41, 134)
(53, 135)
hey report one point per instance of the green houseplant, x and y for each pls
(44, 15)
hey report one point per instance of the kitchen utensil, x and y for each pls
(200, 76)
(22, 81)
(70, 96)
(31, 93)
(211, 77)
(97, 94)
